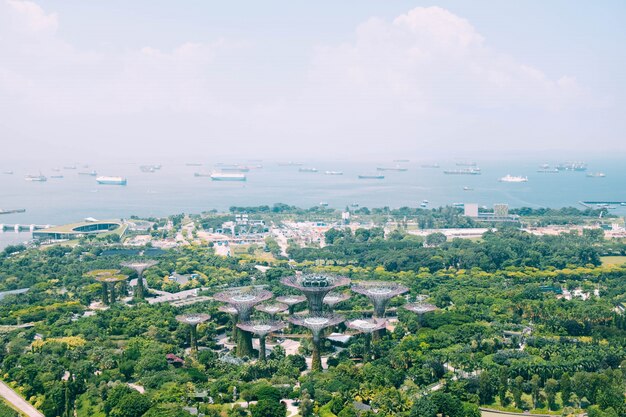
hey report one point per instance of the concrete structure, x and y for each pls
(470, 209)
(315, 287)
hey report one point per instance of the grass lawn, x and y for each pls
(613, 260)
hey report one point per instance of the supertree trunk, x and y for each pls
(194, 339)
(368, 347)
(244, 344)
(105, 294)
(112, 293)
(140, 291)
(262, 355)
(234, 336)
(316, 357)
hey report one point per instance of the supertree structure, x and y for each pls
(108, 278)
(139, 267)
(291, 301)
(367, 326)
(261, 328)
(192, 320)
(334, 298)
(243, 300)
(272, 309)
(316, 323)
(379, 293)
(420, 309)
(227, 308)
(315, 287)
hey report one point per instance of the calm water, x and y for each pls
(174, 189)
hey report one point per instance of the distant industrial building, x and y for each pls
(500, 213)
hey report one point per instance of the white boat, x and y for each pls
(371, 177)
(466, 188)
(7, 172)
(228, 176)
(36, 178)
(104, 180)
(323, 204)
(513, 178)
(596, 175)
(307, 169)
(333, 172)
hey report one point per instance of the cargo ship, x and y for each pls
(11, 211)
(470, 171)
(7, 172)
(596, 175)
(333, 172)
(90, 173)
(36, 178)
(513, 178)
(307, 169)
(235, 168)
(572, 166)
(111, 180)
(227, 176)
(397, 168)
(371, 177)
(430, 165)
(199, 174)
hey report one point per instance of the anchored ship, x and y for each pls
(397, 168)
(227, 176)
(333, 172)
(307, 169)
(470, 171)
(512, 178)
(596, 175)
(572, 166)
(111, 180)
(90, 173)
(36, 178)
(371, 177)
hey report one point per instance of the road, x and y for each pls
(18, 402)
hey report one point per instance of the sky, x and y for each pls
(324, 79)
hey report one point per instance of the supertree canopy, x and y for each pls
(420, 308)
(193, 320)
(272, 309)
(243, 300)
(379, 293)
(316, 323)
(139, 267)
(261, 328)
(291, 301)
(334, 298)
(315, 287)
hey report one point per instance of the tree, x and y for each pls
(488, 387)
(132, 404)
(566, 388)
(436, 239)
(535, 389)
(517, 391)
(423, 407)
(268, 408)
(551, 388)
(306, 405)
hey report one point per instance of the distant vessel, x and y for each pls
(307, 169)
(596, 175)
(396, 168)
(7, 172)
(290, 164)
(430, 165)
(466, 188)
(147, 168)
(467, 171)
(401, 160)
(572, 166)
(36, 178)
(56, 176)
(333, 172)
(111, 180)
(423, 205)
(235, 168)
(198, 174)
(11, 211)
(69, 167)
(227, 176)
(371, 177)
(548, 170)
(458, 204)
(323, 204)
(355, 205)
(466, 164)
(90, 173)
(193, 164)
(512, 178)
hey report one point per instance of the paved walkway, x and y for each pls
(18, 402)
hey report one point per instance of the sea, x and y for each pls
(174, 189)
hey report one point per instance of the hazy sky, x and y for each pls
(296, 79)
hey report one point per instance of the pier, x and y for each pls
(24, 227)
